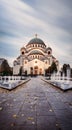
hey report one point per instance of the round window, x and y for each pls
(48, 52)
(22, 52)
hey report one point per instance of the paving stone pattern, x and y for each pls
(35, 105)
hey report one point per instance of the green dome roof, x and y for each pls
(36, 41)
(49, 48)
(35, 52)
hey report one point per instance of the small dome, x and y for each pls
(23, 48)
(36, 41)
(49, 48)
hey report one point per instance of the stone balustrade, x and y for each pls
(7, 78)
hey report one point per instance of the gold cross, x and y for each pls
(36, 35)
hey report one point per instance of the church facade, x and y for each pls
(34, 58)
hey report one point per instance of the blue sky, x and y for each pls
(20, 20)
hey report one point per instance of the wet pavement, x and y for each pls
(35, 105)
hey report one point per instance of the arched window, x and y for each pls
(35, 61)
(35, 56)
(25, 62)
(36, 67)
(46, 62)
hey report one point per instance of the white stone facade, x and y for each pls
(34, 58)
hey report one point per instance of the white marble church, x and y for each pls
(34, 58)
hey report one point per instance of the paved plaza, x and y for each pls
(35, 105)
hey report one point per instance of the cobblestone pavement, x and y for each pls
(35, 105)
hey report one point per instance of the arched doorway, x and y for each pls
(31, 71)
(36, 70)
(40, 71)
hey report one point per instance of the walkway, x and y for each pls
(35, 105)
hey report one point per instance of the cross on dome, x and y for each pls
(36, 35)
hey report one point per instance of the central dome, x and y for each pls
(36, 41)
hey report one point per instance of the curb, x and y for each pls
(64, 90)
(23, 82)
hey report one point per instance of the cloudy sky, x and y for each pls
(20, 20)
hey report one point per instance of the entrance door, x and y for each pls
(31, 71)
(36, 70)
(40, 71)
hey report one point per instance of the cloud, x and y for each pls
(51, 19)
